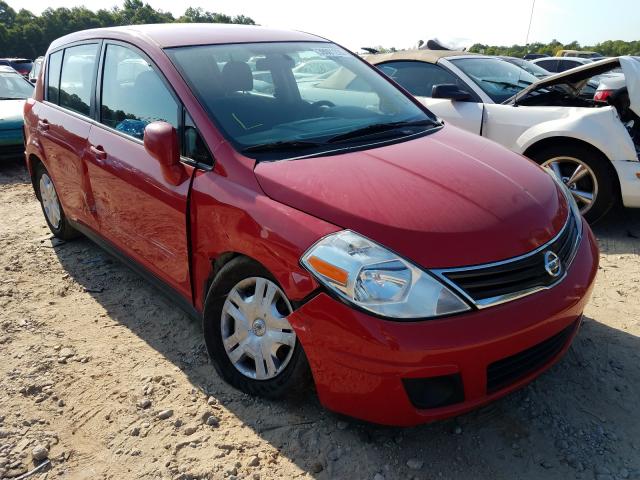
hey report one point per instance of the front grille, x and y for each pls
(493, 283)
(509, 370)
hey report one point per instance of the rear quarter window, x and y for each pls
(53, 76)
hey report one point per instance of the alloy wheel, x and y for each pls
(256, 334)
(578, 177)
(50, 201)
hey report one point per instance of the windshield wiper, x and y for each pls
(281, 145)
(507, 84)
(379, 128)
(13, 98)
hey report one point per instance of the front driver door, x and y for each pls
(419, 78)
(139, 211)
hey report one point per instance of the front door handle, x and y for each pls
(98, 152)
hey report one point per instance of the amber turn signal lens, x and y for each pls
(332, 272)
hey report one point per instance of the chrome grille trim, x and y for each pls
(500, 299)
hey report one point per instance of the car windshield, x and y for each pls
(288, 99)
(13, 86)
(500, 80)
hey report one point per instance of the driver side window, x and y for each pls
(419, 77)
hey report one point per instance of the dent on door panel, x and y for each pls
(63, 137)
(139, 212)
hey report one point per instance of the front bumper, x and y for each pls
(629, 176)
(359, 362)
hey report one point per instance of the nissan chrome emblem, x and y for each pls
(552, 264)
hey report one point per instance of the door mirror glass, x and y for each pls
(450, 91)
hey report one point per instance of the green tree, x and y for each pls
(23, 34)
(608, 48)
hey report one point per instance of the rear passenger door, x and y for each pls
(139, 211)
(64, 122)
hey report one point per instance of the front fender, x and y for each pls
(600, 127)
(226, 216)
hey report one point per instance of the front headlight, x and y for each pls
(375, 279)
(571, 201)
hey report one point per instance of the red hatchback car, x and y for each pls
(325, 227)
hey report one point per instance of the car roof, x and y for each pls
(564, 59)
(15, 59)
(422, 55)
(184, 34)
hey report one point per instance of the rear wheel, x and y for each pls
(248, 335)
(51, 207)
(587, 174)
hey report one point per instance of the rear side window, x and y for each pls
(565, 65)
(419, 77)
(76, 79)
(53, 76)
(550, 65)
(133, 94)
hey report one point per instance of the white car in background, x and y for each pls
(608, 86)
(607, 83)
(560, 64)
(592, 147)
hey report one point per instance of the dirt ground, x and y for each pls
(106, 378)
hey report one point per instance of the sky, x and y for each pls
(401, 23)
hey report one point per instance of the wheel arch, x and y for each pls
(563, 141)
(216, 265)
(33, 161)
(226, 257)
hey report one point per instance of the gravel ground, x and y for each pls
(102, 377)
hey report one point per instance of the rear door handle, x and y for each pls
(43, 125)
(98, 152)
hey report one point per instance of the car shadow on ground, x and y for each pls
(13, 170)
(562, 424)
(619, 231)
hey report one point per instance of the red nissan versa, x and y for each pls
(324, 227)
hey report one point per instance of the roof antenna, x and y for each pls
(526, 44)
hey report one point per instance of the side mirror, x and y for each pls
(161, 142)
(450, 91)
(33, 80)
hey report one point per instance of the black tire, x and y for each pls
(63, 230)
(605, 176)
(293, 381)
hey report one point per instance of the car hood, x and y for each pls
(579, 76)
(444, 200)
(11, 114)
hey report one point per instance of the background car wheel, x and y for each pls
(588, 175)
(51, 207)
(249, 339)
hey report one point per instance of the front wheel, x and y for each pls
(248, 335)
(587, 174)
